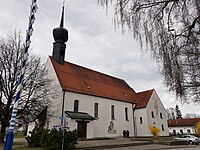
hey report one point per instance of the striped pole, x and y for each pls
(10, 134)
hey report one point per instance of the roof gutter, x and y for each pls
(134, 124)
(63, 106)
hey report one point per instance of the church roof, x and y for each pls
(143, 98)
(79, 79)
(183, 122)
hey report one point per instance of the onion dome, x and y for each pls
(60, 34)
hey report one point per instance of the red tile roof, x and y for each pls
(82, 80)
(143, 98)
(183, 122)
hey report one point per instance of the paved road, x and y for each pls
(158, 147)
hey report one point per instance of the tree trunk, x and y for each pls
(2, 133)
(25, 129)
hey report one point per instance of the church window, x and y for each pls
(76, 103)
(152, 114)
(96, 109)
(174, 132)
(162, 127)
(112, 112)
(188, 131)
(126, 114)
(161, 116)
(141, 122)
(181, 131)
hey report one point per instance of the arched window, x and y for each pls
(96, 109)
(76, 105)
(188, 131)
(161, 116)
(141, 121)
(174, 132)
(181, 131)
(126, 114)
(152, 114)
(113, 112)
(162, 127)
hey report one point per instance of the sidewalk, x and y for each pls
(109, 143)
(116, 143)
(129, 144)
(95, 144)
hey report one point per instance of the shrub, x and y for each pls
(36, 135)
(197, 126)
(71, 139)
(52, 139)
(154, 131)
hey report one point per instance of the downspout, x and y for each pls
(63, 106)
(134, 125)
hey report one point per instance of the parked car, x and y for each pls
(191, 139)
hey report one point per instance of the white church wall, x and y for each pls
(141, 122)
(99, 127)
(90, 130)
(159, 116)
(31, 126)
(56, 105)
(86, 104)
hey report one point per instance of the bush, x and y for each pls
(52, 139)
(197, 126)
(36, 135)
(154, 131)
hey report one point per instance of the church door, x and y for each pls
(82, 129)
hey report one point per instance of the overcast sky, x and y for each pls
(93, 42)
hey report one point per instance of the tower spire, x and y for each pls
(62, 17)
(60, 35)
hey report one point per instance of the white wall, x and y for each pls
(141, 128)
(157, 107)
(56, 105)
(100, 126)
(183, 128)
(148, 120)
(96, 128)
(31, 126)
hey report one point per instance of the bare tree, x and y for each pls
(170, 29)
(36, 92)
(171, 113)
(192, 115)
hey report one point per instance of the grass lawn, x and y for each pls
(19, 135)
(28, 148)
(23, 148)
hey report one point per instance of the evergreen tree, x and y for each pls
(178, 112)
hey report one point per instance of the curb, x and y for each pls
(111, 146)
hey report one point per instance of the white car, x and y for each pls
(191, 139)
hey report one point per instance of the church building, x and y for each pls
(99, 105)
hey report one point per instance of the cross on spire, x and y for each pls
(62, 17)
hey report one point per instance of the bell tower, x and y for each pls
(60, 35)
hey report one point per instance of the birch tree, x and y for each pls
(170, 30)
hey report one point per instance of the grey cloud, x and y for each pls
(93, 43)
